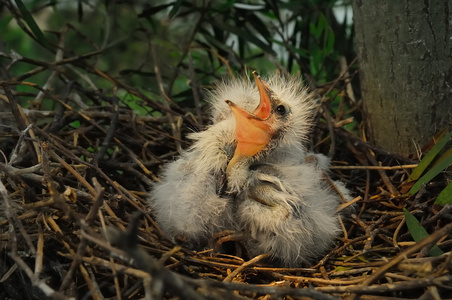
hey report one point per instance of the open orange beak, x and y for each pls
(253, 130)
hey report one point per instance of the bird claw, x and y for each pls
(219, 239)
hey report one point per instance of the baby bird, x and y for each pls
(249, 172)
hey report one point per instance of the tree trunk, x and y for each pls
(405, 58)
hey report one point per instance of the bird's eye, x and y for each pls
(281, 110)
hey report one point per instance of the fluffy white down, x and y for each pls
(186, 203)
(303, 223)
(298, 221)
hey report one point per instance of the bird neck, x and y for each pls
(235, 162)
(237, 173)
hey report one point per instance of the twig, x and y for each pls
(194, 88)
(14, 221)
(58, 118)
(21, 122)
(39, 252)
(348, 203)
(34, 277)
(172, 122)
(15, 157)
(329, 122)
(81, 248)
(321, 280)
(40, 283)
(346, 75)
(53, 75)
(424, 242)
(111, 131)
(70, 169)
(274, 291)
(288, 47)
(412, 166)
(387, 287)
(172, 281)
(392, 189)
(245, 265)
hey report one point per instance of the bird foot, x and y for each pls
(228, 241)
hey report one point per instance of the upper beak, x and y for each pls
(264, 108)
(253, 130)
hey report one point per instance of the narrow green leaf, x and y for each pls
(149, 11)
(243, 33)
(260, 26)
(175, 9)
(444, 162)
(329, 41)
(75, 124)
(4, 21)
(443, 157)
(216, 43)
(423, 164)
(302, 52)
(418, 232)
(317, 29)
(445, 197)
(80, 11)
(32, 24)
(340, 268)
(249, 7)
(363, 259)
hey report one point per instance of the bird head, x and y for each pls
(255, 131)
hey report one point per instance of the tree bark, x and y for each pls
(405, 58)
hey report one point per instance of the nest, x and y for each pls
(74, 178)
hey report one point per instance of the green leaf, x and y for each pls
(174, 10)
(260, 26)
(317, 29)
(329, 41)
(423, 164)
(250, 7)
(243, 33)
(32, 24)
(418, 232)
(444, 157)
(75, 124)
(214, 42)
(302, 52)
(443, 162)
(4, 21)
(445, 197)
(149, 11)
(340, 268)
(363, 259)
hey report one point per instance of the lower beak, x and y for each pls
(253, 130)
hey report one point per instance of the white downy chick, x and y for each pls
(249, 172)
